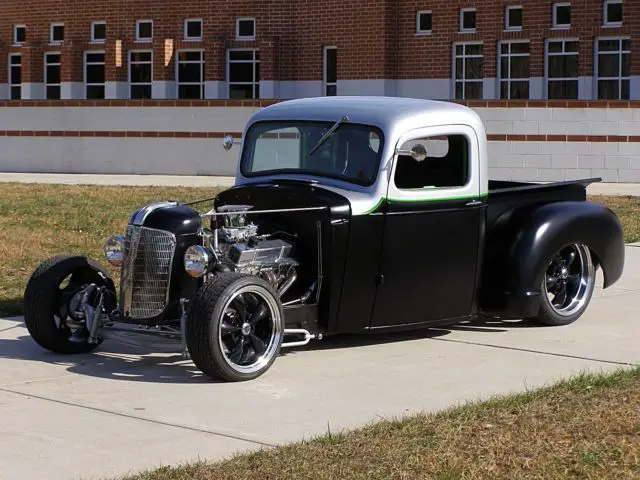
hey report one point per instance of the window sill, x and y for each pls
(513, 29)
(612, 25)
(462, 32)
(561, 27)
(246, 39)
(144, 40)
(98, 42)
(194, 39)
(424, 34)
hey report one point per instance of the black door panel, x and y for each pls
(429, 262)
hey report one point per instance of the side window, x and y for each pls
(446, 166)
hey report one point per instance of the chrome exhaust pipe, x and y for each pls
(287, 284)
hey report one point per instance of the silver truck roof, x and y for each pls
(388, 113)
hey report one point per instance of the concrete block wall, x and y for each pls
(528, 141)
(551, 143)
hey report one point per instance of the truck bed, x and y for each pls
(507, 195)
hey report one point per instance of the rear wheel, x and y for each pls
(51, 299)
(567, 286)
(235, 327)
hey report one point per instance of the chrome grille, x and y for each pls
(146, 272)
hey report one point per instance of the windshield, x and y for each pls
(352, 152)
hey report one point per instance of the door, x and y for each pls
(431, 233)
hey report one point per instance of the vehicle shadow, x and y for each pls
(146, 358)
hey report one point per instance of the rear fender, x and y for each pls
(548, 228)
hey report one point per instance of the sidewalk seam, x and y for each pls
(538, 352)
(133, 417)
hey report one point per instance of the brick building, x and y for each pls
(445, 49)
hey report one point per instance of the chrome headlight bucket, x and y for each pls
(197, 260)
(114, 250)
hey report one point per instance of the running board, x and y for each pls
(308, 336)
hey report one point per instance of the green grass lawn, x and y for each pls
(39, 221)
(587, 427)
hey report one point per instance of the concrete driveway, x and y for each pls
(124, 409)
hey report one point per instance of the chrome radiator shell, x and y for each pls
(146, 272)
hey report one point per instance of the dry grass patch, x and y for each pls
(40, 221)
(628, 209)
(586, 427)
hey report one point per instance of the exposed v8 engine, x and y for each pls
(245, 250)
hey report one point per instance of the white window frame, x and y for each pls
(84, 72)
(245, 19)
(510, 55)
(325, 82)
(150, 84)
(46, 79)
(52, 41)
(546, 63)
(140, 39)
(619, 52)
(93, 31)
(12, 85)
(15, 33)
(254, 62)
(562, 26)
(464, 55)
(186, 31)
(461, 20)
(605, 20)
(202, 63)
(508, 9)
(418, 14)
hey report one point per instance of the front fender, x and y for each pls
(530, 237)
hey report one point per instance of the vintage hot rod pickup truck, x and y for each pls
(348, 215)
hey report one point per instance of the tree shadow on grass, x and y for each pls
(10, 307)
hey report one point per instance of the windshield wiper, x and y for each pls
(328, 134)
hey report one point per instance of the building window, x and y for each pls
(513, 17)
(244, 73)
(561, 15)
(246, 28)
(193, 29)
(513, 70)
(19, 34)
(613, 67)
(140, 74)
(612, 13)
(94, 76)
(330, 71)
(56, 33)
(562, 69)
(469, 70)
(468, 20)
(98, 32)
(52, 75)
(424, 22)
(15, 75)
(144, 30)
(191, 74)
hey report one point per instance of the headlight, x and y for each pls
(197, 260)
(114, 250)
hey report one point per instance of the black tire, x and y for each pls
(577, 280)
(44, 300)
(206, 317)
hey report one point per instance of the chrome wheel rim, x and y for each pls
(568, 279)
(250, 329)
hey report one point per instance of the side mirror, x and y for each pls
(418, 152)
(228, 142)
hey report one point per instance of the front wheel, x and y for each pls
(567, 286)
(235, 327)
(51, 302)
